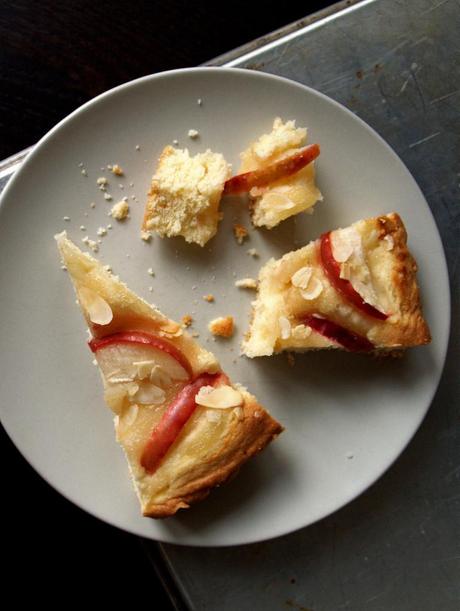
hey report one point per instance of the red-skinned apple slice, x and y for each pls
(344, 337)
(174, 419)
(145, 339)
(243, 183)
(332, 270)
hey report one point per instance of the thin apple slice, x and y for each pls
(344, 337)
(146, 340)
(332, 270)
(243, 183)
(174, 419)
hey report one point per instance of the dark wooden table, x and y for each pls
(54, 56)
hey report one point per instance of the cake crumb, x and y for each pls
(240, 232)
(137, 147)
(176, 142)
(150, 271)
(108, 197)
(66, 218)
(209, 298)
(82, 228)
(102, 183)
(290, 359)
(193, 133)
(252, 252)
(92, 244)
(84, 172)
(92, 205)
(102, 231)
(246, 283)
(108, 268)
(187, 320)
(120, 210)
(64, 268)
(195, 334)
(117, 170)
(199, 102)
(222, 326)
(150, 288)
(146, 236)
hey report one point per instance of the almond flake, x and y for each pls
(99, 311)
(316, 288)
(345, 243)
(285, 327)
(302, 277)
(149, 394)
(222, 397)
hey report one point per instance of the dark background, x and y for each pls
(54, 56)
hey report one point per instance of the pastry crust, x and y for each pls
(208, 450)
(389, 271)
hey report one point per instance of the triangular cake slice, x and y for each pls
(183, 425)
(353, 288)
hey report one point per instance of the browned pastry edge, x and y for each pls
(412, 330)
(253, 434)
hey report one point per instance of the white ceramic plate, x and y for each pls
(347, 417)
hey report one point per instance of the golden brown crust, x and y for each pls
(247, 438)
(412, 329)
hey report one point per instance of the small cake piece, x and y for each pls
(184, 195)
(183, 425)
(120, 210)
(222, 326)
(246, 283)
(353, 288)
(240, 232)
(288, 195)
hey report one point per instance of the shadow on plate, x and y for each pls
(253, 484)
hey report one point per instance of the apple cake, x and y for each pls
(185, 194)
(183, 426)
(353, 288)
(278, 172)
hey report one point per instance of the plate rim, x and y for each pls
(43, 142)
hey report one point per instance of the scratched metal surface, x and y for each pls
(396, 65)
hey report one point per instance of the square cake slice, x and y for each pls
(353, 288)
(288, 195)
(185, 194)
(184, 427)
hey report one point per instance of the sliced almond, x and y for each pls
(302, 277)
(99, 311)
(285, 327)
(278, 201)
(315, 288)
(143, 368)
(149, 394)
(160, 377)
(345, 242)
(221, 397)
